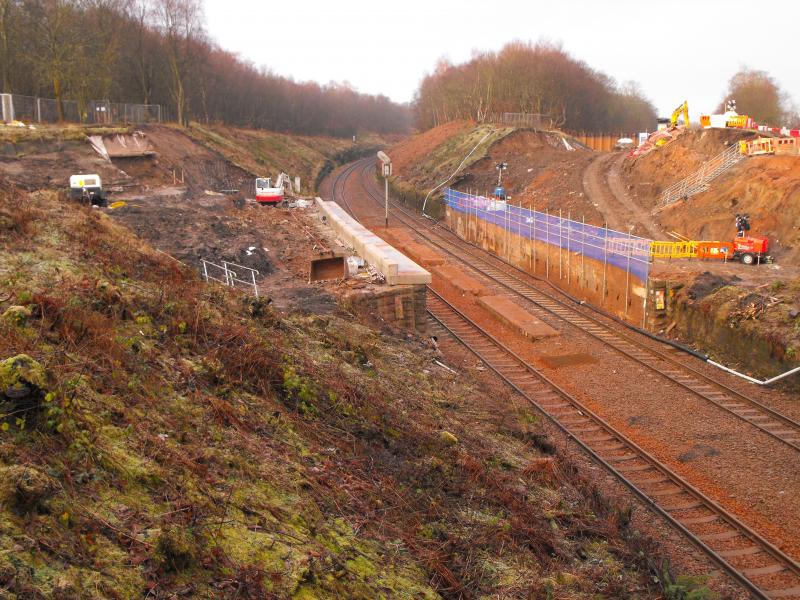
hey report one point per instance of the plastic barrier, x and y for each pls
(673, 249)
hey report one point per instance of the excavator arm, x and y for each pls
(683, 109)
(285, 183)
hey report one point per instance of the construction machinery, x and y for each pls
(682, 110)
(748, 250)
(267, 193)
(88, 188)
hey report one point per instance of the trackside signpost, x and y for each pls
(386, 171)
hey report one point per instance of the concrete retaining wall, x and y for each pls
(594, 281)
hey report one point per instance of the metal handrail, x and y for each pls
(698, 182)
(231, 278)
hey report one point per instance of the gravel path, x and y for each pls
(605, 188)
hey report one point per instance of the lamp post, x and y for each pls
(386, 171)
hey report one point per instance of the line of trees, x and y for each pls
(159, 52)
(536, 78)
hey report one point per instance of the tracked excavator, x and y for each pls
(267, 193)
(682, 110)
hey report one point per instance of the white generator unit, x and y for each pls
(88, 188)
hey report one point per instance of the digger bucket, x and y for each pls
(323, 269)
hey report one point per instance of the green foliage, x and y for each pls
(20, 373)
(302, 391)
(177, 549)
(16, 316)
(686, 587)
(25, 297)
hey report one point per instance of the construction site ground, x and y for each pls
(622, 193)
(717, 453)
(355, 442)
(221, 447)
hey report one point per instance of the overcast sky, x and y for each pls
(676, 49)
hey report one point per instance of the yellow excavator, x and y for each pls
(683, 109)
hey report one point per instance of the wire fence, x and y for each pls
(532, 120)
(32, 109)
(625, 251)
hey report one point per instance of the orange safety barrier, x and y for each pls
(787, 146)
(770, 146)
(760, 146)
(715, 250)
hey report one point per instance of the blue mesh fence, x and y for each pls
(622, 250)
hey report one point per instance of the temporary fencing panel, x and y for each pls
(622, 250)
(30, 109)
(686, 249)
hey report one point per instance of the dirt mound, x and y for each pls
(408, 151)
(765, 187)
(648, 175)
(48, 163)
(428, 158)
(200, 167)
(706, 283)
(542, 171)
(267, 153)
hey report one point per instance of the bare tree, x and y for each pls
(6, 32)
(55, 26)
(156, 51)
(531, 78)
(181, 25)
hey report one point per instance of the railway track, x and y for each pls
(759, 566)
(671, 366)
(762, 568)
(337, 189)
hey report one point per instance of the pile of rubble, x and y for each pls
(656, 140)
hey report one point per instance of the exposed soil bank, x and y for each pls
(753, 330)
(609, 188)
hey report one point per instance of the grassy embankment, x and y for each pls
(422, 161)
(268, 153)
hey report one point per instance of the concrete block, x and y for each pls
(397, 268)
(422, 254)
(512, 314)
(459, 280)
